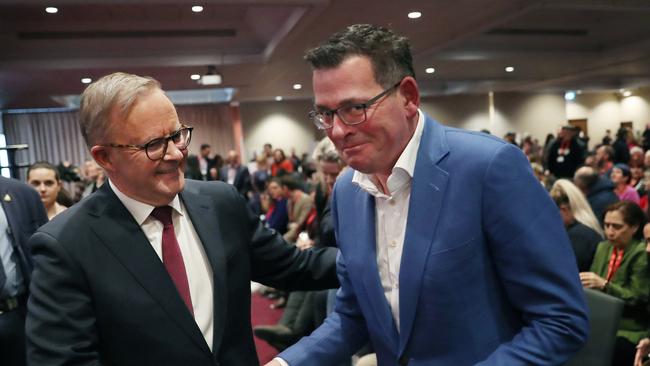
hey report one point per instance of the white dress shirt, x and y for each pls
(197, 266)
(391, 212)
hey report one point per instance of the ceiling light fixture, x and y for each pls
(212, 77)
(278, 98)
(297, 86)
(51, 10)
(195, 76)
(627, 93)
(510, 69)
(570, 95)
(86, 80)
(414, 14)
(197, 8)
(429, 70)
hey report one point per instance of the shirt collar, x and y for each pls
(140, 210)
(403, 170)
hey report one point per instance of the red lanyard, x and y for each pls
(614, 262)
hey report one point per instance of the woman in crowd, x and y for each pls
(281, 165)
(621, 176)
(579, 220)
(620, 270)
(44, 177)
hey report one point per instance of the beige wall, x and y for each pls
(607, 110)
(283, 124)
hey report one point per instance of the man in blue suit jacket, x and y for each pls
(451, 253)
(21, 214)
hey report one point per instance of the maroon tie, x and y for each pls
(172, 256)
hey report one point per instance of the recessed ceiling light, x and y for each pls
(51, 10)
(510, 69)
(86, 80)
(195, 76)
(197, 8)
(414, 14)
(297, 86)
(570, 95)
(627, 93)
(278, 98)
(429, 70)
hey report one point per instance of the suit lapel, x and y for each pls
(205, 221)
(121, 234)
(427, 192)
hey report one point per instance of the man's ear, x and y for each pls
(102, 156)
(411, 94)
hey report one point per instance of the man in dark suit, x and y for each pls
(442, 259)
(236, 174)
(152, 269)
(21, 214)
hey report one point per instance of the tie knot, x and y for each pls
(163, 214)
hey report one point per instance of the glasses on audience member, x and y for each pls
(350, 114)
(157, 148)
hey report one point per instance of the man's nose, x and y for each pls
(173, 152)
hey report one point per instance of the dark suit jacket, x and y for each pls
(25, 213)
(101, 295)
(242, 179)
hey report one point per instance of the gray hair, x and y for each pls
(389, 53)
(100, 98)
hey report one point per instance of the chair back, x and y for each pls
(604, 314)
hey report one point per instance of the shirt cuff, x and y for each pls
(281, 361)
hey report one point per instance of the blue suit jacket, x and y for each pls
(487, 274)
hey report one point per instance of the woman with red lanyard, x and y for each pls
(620, 269)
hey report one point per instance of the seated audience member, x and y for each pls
(644, 190)
(236, 174)
(636, 156)
(620, 269)
(281, 165)
(44, 177)
(643, 348)
(581, 225)
(621, 178)
(300, 206)
(605, 160)
(93, 177)
(274, 204)
(636, 179)
(258, 183)
(21, 213)
(598, 190)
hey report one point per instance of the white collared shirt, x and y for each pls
(197, 266)
(391, 212)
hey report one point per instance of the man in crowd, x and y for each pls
(599, 190)
(233, 172)
(604, 160)
(21, 214)
(566, 154)
(442, 260)
(152, 269)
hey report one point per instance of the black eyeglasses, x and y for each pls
(157, 148)
(350, 114)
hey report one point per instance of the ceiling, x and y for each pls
(257, 45)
